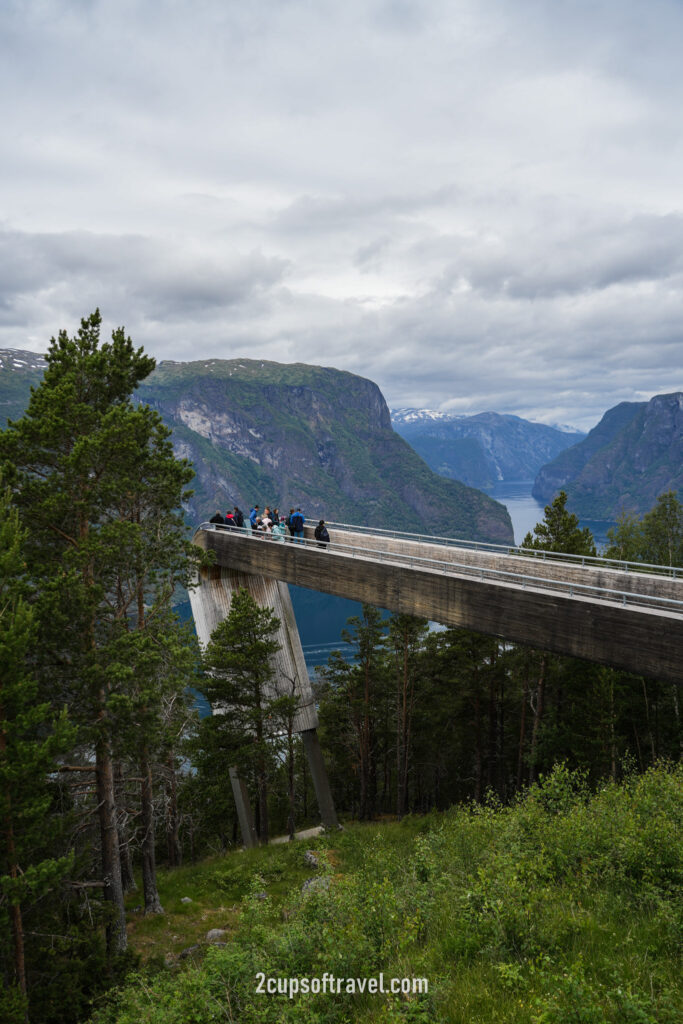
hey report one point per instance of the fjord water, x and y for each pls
(525, 511)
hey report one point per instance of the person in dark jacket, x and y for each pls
(296, 526)
(238, 516)
(321, 534)
(218, 519)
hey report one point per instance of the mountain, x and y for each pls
(295, 435)
(309, 435)
(403, 417)
(634, 454)
(481, 450)
(18, 371)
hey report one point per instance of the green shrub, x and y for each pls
(564, 909)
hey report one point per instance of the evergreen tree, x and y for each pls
(656, 539)
(98, 487)
(155, 666)
(358, 705)
(240, 686)
(405, 639)
(662, 529)
(560, 531)
(29, 743)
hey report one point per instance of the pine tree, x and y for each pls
(98, 487)
(357, 703)
(29, 742)
(405, 639)
(560, 531)
(240, 687)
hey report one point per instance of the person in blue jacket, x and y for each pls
(296, 526)
(254, 517)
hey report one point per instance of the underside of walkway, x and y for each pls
(620, 616)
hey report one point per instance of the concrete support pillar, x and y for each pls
(246, 819)
(321, 784)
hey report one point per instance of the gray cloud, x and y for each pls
(475, 203)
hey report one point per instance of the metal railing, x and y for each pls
(483, 573)
(597, 561)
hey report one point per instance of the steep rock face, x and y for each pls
(633, 455)
(565, 467)
(309, 436)
(296, 435)
(481, 450)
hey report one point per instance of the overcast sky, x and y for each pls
(476, 203)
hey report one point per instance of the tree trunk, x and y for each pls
(522, 731)
(491, 760)
(402, 738)
(117, 939)
(127, 875)
(13, 867)
(173, 847)
(477, 753)
(149, 870)
(261, 783)
(291, 792)
(677, 716)
(501, 772)
(538, 715)
(612, 733)
(366, 773)
(647, 719)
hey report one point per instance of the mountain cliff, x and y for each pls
(481, 450)
(634, 454)
(296, 435)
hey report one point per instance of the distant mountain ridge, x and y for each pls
(295, 435)
(634, 454)
(18, 371)
(405, 416)
(484, 449)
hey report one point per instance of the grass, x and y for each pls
(216, 887)
(565, 909)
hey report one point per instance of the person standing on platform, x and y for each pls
(279, 532)
(321, 534)
(296, 525)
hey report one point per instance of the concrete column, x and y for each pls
(321, 784)
(246, 820)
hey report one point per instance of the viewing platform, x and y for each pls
(626, 615)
